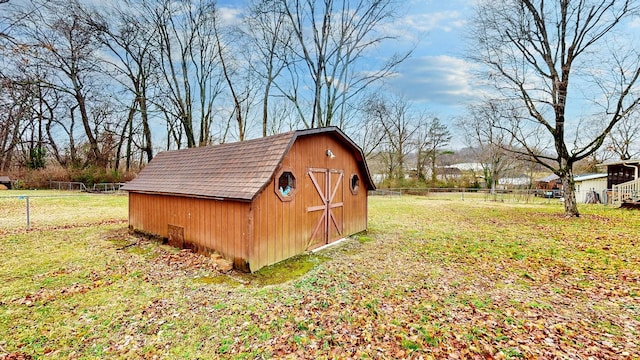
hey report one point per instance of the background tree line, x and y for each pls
(108, 86)
(402, 142)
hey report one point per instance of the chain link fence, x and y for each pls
(29, 209)
(464, 194)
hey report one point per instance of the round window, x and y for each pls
(354, 184)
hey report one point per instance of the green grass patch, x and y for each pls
(283, 271)
(363, 238)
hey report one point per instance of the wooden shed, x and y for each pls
(255, 202)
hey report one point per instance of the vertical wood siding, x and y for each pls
(209, 225)
(282, 229)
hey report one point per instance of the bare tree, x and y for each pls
(187, 49)
(29, 108)
(33, 140)
(432, 137)
(624, 139)
(282, 117)
(331, 37)
(132, 64)
(239, 83)
(270, 38)
(540, 55)
(14, 107)
(61, 118)
(399, 127)
(370, 133)
(489, 145)
(206, 65)
(58, 39)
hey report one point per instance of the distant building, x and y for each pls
(550, 182)
(471, 166)
(548, 186)
(587, 184)
(445, 173)
(5, 182)
(514, 181)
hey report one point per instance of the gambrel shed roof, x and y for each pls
(237, 170)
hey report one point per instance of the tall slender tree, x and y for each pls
(432, 137)
(270, 38)
(543, 56)
(129, 40)
(188, 56)
(399, 127)
(489, 145)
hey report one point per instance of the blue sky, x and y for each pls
(436, 77)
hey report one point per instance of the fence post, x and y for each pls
(28, 215)
(28, 210)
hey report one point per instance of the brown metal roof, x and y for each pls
(235, 170)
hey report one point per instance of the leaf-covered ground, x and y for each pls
(431, 279)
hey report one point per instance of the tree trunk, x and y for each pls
(15, 138)
(434, 176)
(73, 152)
(493, 188)
(265, 106)
(98, 159)
(420, 166)
(317, 106)
(400, 155)
(494, 181)
(236, 100)
(132, 111)
(129, 154)
(570, 203)
(146, 129)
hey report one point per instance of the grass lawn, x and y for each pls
(431, 279)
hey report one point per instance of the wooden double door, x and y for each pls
(326, 209)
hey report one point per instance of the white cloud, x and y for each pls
(415, 26)
(229, 15)
(446, 21)
(442, 79)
